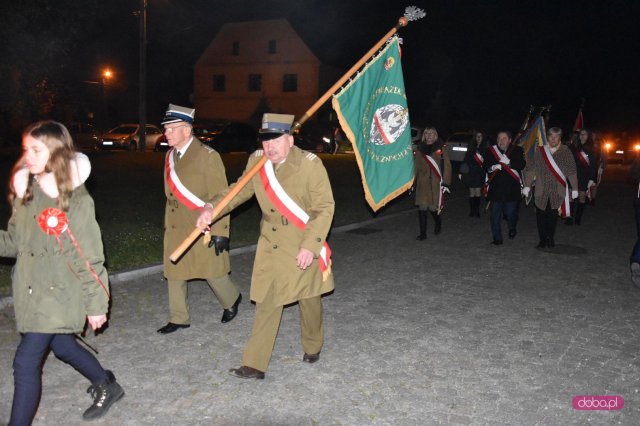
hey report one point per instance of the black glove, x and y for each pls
(219, 243)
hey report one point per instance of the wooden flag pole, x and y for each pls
(402, 22)
(184, 246)
(193, 236)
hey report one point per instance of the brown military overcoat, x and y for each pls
(427, 182)
(200, 170)
(305, 180)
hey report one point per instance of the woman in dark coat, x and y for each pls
(587, 162)
(475, 175)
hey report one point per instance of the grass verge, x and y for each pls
(129, 197)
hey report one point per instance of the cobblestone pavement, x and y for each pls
(449, 330)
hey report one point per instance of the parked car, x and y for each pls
(204, 132)
(621, 151)
(84, 135)
(307, 143)
(126, 136)
(233, 137)
(456, 145)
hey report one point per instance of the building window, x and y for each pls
(235, 48)
(255, 82)
(290, 83)
(272, 47)
(218, 82)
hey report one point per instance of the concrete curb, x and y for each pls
(133, 274)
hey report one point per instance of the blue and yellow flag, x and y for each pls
(373, 113)
(534, 137)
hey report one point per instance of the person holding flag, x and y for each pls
(503, 162)
(553, 169)
(587, 162)
(432, 179)
(293, 259)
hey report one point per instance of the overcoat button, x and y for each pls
(272, 210)
(275, 246)
(273, 229)
(318, 239)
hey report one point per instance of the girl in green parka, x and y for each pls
(59, 279)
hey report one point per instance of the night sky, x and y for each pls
(479, 63)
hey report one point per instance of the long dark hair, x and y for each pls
(472, 146)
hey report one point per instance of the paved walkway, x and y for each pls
(450, 330)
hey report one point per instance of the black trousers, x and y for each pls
(27, 370)
(547, 220)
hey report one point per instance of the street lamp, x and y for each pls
(105, 76)
(142, 99)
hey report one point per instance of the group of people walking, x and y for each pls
(60, 283)
(561, 178)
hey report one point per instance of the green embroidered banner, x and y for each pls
(373, 113)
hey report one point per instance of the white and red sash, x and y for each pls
(565, 208)
(288, 208)
(584, 158)
(436, 169)
(500, 157)
(478, 159)
(181, 192)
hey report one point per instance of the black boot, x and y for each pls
(579, 212)
(478, 200)
(574, 209)
(438, 228)
(472, 206)
(422, 220)
(104, 395)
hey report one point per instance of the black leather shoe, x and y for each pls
(496, 242)
(542, 244)
(171, 327)
(245, 372)
(421, 237)
(311, 358)
(229, 314)
(512, 234)
(551, 242)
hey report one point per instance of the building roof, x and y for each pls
(252, 38)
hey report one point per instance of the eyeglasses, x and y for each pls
(171, 129)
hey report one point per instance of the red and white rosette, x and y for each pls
(54, 222)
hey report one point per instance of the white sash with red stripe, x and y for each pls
(288, 208)
(478, 159)
(584, 158)
(436, 169)
(500, 157)
(182, 193)
(565, 208)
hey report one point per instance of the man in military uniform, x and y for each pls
(193, 173)
(292, 261)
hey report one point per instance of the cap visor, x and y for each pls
(266, 136)
(170, 120)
